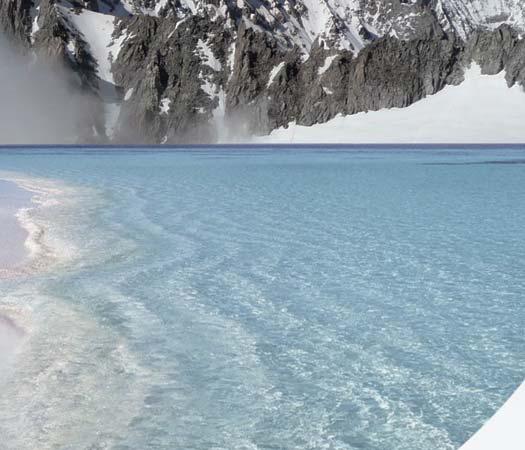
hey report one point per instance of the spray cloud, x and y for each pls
(39, 103)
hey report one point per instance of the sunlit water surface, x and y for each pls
(268, 299)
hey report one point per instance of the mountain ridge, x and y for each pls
(165, 71)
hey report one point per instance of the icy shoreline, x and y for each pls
(31, 251)
(13, 234)
(26, 248)
(15, 255)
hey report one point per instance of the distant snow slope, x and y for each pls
(466, 15)
(481, 109)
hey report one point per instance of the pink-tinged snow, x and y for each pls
(482, 109)
(505, 430)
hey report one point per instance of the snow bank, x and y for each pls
(480, 110)
(505, 429)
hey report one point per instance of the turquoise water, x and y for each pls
(258, 299)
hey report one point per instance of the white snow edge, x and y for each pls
(505, 430)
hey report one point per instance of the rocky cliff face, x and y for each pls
(175, 71)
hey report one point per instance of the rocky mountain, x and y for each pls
(175, 71)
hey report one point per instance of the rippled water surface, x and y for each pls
(268, 299)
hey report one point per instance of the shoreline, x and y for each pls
(14, 235)
(28, 247)
(15, 255)
(24, 225)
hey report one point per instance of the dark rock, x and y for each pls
(245, 67)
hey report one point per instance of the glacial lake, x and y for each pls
(299, 298)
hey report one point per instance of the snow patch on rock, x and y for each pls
(208, 57)
(326, 65)
(274, 72)
(165, 106)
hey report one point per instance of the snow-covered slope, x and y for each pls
(481, 109)
(467, 15)
(97, 30)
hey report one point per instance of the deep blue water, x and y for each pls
(254, 299)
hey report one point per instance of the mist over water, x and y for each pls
(39, 102)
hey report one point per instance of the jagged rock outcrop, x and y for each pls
(169, 86)
(15, 19)
(502, 49)
(166, 71)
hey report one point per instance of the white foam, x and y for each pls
(44, 247)
(69, 362)
(55, 354)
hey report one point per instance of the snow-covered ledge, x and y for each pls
(505, 430)
(482, 109)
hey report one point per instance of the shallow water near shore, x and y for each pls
(12, 234)
(260, 299)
